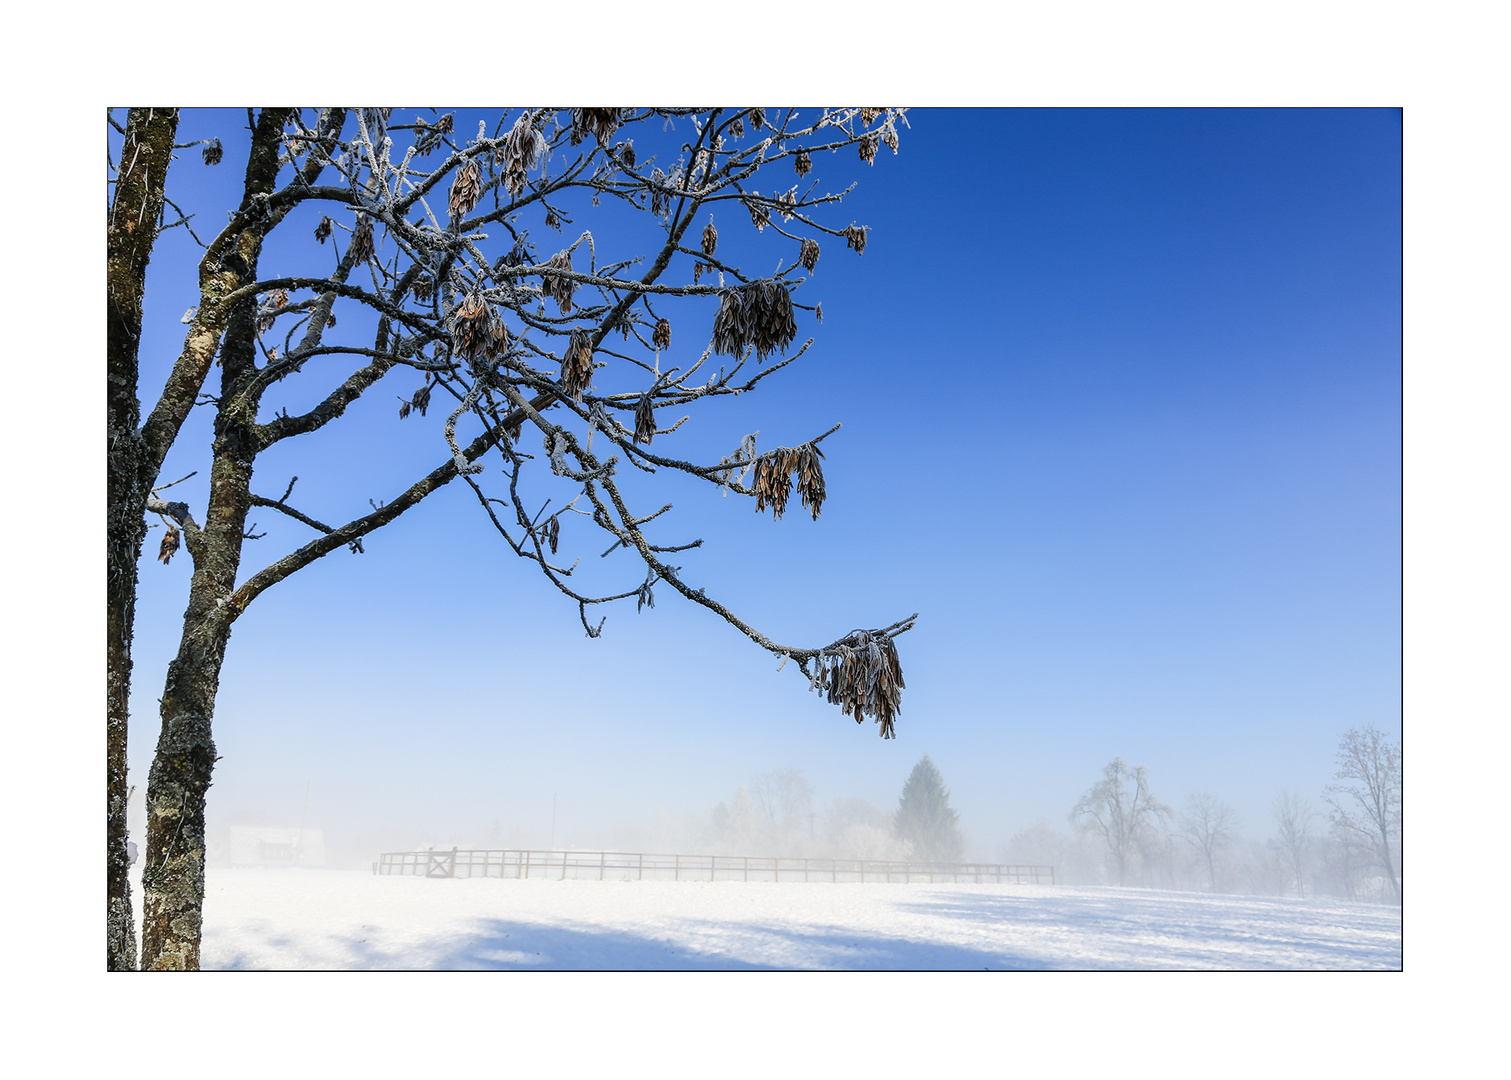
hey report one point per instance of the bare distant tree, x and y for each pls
(784, 801)
(456, 259)
(1293, 820)
(1123, 812)
(1369, 803)
(1208, 825)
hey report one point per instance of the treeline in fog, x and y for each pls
(1345, 841)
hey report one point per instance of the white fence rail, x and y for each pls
(642, 866)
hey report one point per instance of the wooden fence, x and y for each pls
(638, 866)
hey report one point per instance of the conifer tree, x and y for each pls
(925, 818)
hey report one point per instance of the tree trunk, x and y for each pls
(132, 228)
(173, 878)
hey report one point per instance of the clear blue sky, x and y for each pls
(1121, 395)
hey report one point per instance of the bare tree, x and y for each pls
(1293, 820)
(448, 272)
(1208, 825)
(1369, 804)
(784, 801)
(1121, 810)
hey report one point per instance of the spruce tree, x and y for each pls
(925, 818)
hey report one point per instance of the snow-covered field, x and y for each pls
(335, 919)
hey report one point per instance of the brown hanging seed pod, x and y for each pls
(556, 286)
(661, 337)
(577, 365)
(889, 136)
(803, 162)
(423, 288)
(330, 320)
(169, 545)
(737, 128)
(710, 239)
(810, 478)
(868, 116)
(323, 230)
(867, 147)
(645, 420)
(772, 483)
(758, 313)
(855, 236)
(521, 151)
(552, 221)
(760, 216)
(627, 155)
(361, 246)
(818, 312)
(213, 153)
(599, 122)
(267, 311)
(468, 323)
(864, 678)
(808, 254)
(757, 119)
(467, 188)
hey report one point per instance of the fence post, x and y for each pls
(677, 868)
(640, 871)
(527, 863)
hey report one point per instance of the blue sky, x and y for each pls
(1121, 395)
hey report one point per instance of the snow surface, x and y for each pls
(353, 920)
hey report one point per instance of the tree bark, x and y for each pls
(134, 215)
(173, 877)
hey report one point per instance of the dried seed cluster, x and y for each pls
(467, 188)
(420, 402)
(577, 364)
(549, 532)
(855, 236)
(803, 162)
(267, 311)
(169, 545)
(808, 255)
(599, 122)
(710, 239)
(423, 288)
(661, 337)
(773, 479)
(759, 314)
(760, 216)
(521, 151)
(362, 239)
(757, 119)
(660, 200)
(213, 153)
(323, 230)
(477, 332)
(868, 116)
(867, 147)
(555, 286)
(864, 678)
(645, 420)
(431, 134)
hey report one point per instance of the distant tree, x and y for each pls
(856, 828)
(924, 817)
(1369, 804)
(784, 802)
(1123, 812)
(1293, 818)
(457, 260)
(1207, 825)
